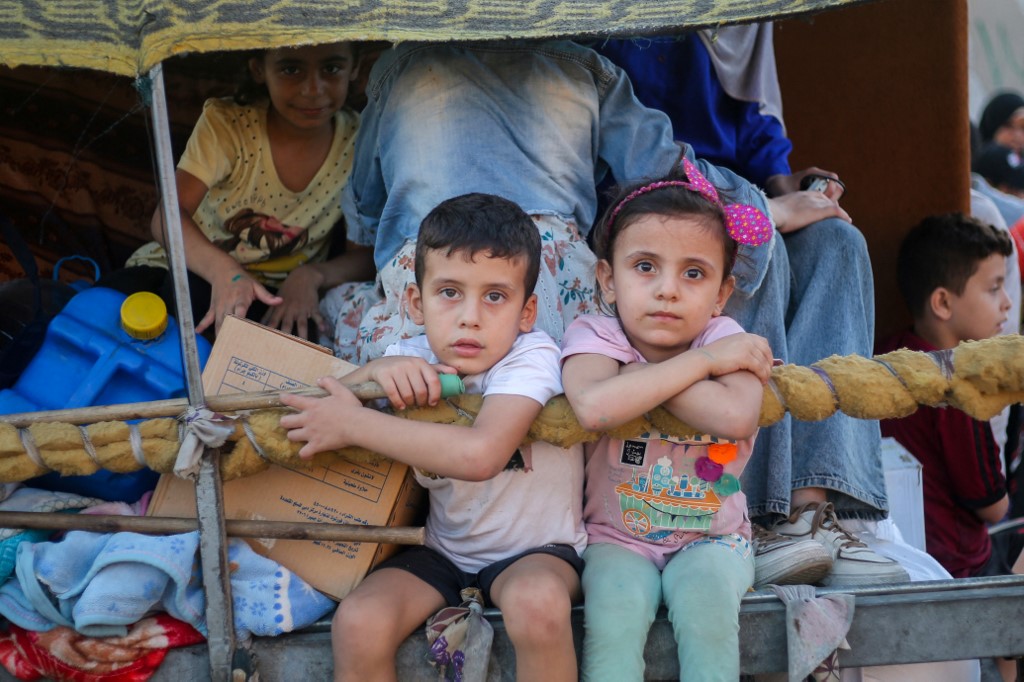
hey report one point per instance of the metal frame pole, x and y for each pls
(212, 539)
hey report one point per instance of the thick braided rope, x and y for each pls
(980, 378)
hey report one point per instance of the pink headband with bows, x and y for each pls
(745, 224)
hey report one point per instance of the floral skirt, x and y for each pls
(367, 317)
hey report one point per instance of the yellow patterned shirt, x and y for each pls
(247, 211)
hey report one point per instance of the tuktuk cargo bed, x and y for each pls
(875, 89)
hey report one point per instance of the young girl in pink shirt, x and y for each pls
(665, 516)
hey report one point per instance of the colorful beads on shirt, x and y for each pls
(722, 453)
(711, 468)
(727, 485)
(707, 470)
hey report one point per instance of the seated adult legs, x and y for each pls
(836, 463)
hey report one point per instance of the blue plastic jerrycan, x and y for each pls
(103, 349)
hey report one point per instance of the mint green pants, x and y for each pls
(702, 587)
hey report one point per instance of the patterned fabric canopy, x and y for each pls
(129, 37)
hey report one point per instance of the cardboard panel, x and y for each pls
(247, 358)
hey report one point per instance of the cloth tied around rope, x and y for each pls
(202, 428)
(460, 639)
(816, 629)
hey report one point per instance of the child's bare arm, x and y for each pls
(232, 290)
(994, 513)
(407, 380)
(300, 291)
(727, 406)
(604, 394)
(321, 422)
(738, 353)
(471, 453)
(728, 402)
(590, 382)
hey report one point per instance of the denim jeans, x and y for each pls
(817, 300)
(540, 123)
(702, 587)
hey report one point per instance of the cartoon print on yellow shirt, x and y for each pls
(262, 232)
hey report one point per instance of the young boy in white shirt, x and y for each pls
(503, 517)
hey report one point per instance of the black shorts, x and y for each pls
(439, 572)
(1006, 547)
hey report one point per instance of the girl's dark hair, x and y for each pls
(248, 91)
(672, 201)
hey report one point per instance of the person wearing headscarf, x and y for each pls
(1002, 120)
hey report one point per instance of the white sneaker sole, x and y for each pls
(897, 574)
(805, 567)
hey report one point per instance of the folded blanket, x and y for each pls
(137, 508)
(269, 599)
(35, 500)
(17, 498)
(63, 654)
(99, 584)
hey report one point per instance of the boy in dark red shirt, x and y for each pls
(951, 271)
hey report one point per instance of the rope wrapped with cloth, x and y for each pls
(979, 377)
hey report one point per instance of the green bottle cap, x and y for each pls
(451, 385)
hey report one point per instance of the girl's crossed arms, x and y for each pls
(715, 389)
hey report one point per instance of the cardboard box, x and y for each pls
(249, 357)
(905, 489)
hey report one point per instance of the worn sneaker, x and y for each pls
(853, 562)
(781, 560)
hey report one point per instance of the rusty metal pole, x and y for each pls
(213, 543)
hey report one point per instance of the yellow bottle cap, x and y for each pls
(144, 315)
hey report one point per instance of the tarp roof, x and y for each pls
(129, 37)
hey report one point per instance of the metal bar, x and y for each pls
(284, 530)
(213, 553)
(173, 407)
(173, 240)
(212, 542)
(942, 621)
(917, 622)
(928, 588)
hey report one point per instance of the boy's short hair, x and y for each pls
(945, 251)
(480, 223)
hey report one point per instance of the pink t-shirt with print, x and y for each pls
(644, 493)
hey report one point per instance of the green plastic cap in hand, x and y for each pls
(451, 385)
